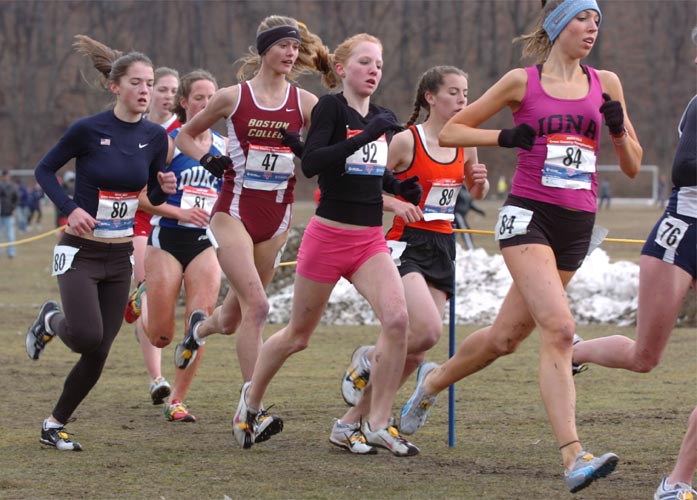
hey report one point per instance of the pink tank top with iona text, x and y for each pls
(561, 167)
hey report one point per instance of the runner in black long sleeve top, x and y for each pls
(353, 199)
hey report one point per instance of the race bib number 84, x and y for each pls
(512, 221)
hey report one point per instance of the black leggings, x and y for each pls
(94, 292)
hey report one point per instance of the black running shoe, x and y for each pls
(58, 438)
(186, 350)
(40, 333)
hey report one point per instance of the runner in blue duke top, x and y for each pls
(179, 250)
(116, 153)
(667, 270)
(544, 228)
(347, 149)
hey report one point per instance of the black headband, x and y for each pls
(271, 36)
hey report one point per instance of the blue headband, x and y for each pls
(272, 36)
(564, 13)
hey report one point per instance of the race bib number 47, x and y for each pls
(268, 168)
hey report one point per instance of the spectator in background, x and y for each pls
(8, 203)
(605, 194)
(22, 206)
(68, 186)
(501, 187)
(661, 191)
(35, 196)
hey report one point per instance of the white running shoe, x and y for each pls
(159, 390)
(243, 421)
(389, 439)
(588, 468)
(350, 437)
(249, 427)
(356, 376)
(416, 409)
(678, 491)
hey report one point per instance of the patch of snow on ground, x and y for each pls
(601, 292)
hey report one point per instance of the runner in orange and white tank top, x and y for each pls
(420, 238)
(265, 116)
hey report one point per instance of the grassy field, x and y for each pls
(504, 447)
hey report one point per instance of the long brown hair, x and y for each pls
(312, 57)
(112, 64)
(537, 42)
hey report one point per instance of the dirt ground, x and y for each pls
(504, 447)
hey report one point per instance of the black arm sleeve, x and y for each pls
(326, 146)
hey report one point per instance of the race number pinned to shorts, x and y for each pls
(512, 221)
(203, 198)
(268, 168)
(440, 200)
(63, 256)
(570, 162)
(115, 214)
(670, 232)
(396, 250)
(370, 159)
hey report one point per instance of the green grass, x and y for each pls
(504, 447)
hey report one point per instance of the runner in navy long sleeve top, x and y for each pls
(117, 153)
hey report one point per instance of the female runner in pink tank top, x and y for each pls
(545, 225)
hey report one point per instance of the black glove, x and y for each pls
(215, 164)
(614, 115)
(522, 136)
(292, 140)
(378, 125)
(410, 190)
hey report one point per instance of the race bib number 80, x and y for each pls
(115, 214)
(63, 256)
